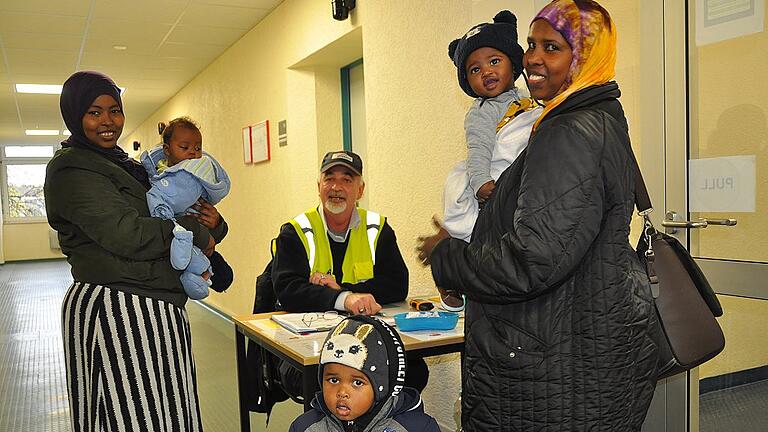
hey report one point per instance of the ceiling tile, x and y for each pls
(42, 41)
(36, 77)
(140, 38)
(115, 61)
(192, 65)
(177, 70)
(9, 128)
(8, 109)
(254, 4)
(150, 86)
(35, 61)
(11, 135)
(140, 107)
(222, 16)
(39, 111)
(140, 11)
(205, 35)
(41, 121)
(58, 7)
(200, 51)
(43, 100)
(38, 23)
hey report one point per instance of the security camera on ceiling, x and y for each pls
(340, 9)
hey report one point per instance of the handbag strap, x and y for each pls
(644, 207)
(642, 199)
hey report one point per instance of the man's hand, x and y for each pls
(361, 304)
(485, 191)
(324, 279)
(427, 243)
(207, 214)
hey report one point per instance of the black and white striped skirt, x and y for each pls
(129, 362)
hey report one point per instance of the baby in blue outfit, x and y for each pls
(180, 174)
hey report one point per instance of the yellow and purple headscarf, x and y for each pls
(591, 34)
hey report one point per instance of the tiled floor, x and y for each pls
(33, 394)
(743, 408)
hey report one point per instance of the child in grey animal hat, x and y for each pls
(362, 375)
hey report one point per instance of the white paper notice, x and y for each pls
(247, 151)
(725, 184)
(260, 140)
(719, 20)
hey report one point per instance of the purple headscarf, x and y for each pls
(77, 95)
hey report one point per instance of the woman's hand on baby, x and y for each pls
(206, 214)
(211, 246)
(426, 244)
(486, 191)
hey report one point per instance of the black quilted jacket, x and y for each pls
(559, 314)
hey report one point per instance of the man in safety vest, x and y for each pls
(338, 256)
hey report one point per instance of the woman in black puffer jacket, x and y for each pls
(559, 318)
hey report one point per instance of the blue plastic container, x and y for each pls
(412, 321)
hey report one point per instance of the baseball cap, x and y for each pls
(342, 157)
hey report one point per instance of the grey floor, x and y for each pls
(33, 393)
(743, 409)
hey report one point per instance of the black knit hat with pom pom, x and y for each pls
(500, 34)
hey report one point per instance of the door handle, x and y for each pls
(726, 222)
(672, 221)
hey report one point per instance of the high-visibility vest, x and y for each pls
(361, 249)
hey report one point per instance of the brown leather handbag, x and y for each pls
(686, 305)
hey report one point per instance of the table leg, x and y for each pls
(309, 385)
(242, 377)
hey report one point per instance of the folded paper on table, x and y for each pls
(308, 322)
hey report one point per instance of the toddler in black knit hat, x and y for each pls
(362, 375)
(488, 60)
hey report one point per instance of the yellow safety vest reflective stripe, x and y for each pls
(360, 256)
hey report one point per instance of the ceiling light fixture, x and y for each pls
(120, 47)
(39, 88)
(45, 132)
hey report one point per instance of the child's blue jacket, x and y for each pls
(179, 187)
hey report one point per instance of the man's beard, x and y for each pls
(335, 208)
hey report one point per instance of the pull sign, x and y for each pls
(724, 184)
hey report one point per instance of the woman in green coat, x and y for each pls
(126, 333)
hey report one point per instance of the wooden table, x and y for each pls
(303, 351)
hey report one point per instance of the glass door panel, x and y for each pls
(728, 179)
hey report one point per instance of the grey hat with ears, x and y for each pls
(371, 346)
(500, 34)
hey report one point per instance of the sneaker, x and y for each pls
(451, 300)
